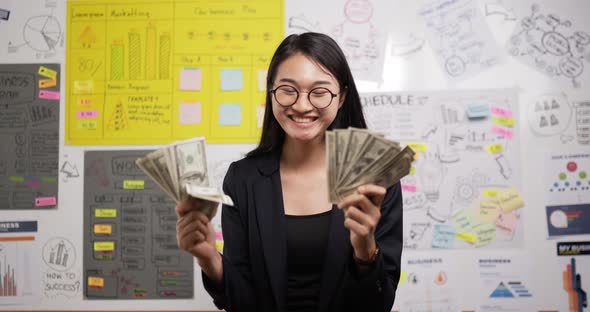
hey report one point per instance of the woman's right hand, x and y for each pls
(194, 231)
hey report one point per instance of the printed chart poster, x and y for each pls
(505, 284)
(29, 135)
(554, 39)
(155, 71)
(463, 190)
(356, 25)
(574, 264)
(19, 263)
(130, 248)
(459, 37)
(428, 284)
(568, 193)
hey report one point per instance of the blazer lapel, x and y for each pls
(337, 255)
(270, 214)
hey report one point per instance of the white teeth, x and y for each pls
(302, 120)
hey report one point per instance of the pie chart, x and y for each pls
(42, 33)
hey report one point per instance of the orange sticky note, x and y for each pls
(103, 229)
(47, 83)
(96, 282)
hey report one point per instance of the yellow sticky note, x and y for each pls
(104, 246)
(494, 148)
(463, 220)
(412, 170)
(105, 213)
(219, 245)
(96, 282)
(417, 147)
(46, 72)
(488, 210)
(503, 121)
(83, 86)
(467, 237)
(485, 232)
(133, 184)
(489, 193)
(510, 199)
(402, 278)
(47, 83)
(103, 229)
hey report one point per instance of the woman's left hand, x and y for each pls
(362, 212)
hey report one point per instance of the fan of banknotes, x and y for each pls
(357, 156)
(180, 169)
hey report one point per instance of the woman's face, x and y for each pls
(303, 121)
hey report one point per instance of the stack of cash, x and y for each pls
(356, 156)
(180, 169)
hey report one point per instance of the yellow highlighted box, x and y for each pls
(133, 184)
(105, 213)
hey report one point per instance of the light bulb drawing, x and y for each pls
(431, 173)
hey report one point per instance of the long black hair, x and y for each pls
(326, 52)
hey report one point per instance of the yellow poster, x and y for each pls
(155, 71)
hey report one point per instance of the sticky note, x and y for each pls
(507, 222)
(49, 95)
(488, 210)
(45, 201)
(47, 83)
(506, 122)
(260, 115)
(189, 113)
(412, 170)
(463, 220)
(502, 112)
(443, 236)
(46, 72)
(104, 246)
(477, 110)
(219, 235)
(466, 237)
(507, 133)
(485, 232)
(494, 148)
(95, 282)
(103, 229)
(87, 114)
(409, 188)
(417, 147)
(232, 80)
(83, 86)
(105, 213)
(402, 277)
(510, 199)
(190, 79)
(84, 102)
(219, 246)
(87, 124)
(133, 184)
(489, 193)
(230, 114)
(262, 80)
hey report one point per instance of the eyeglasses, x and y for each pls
(318, 97)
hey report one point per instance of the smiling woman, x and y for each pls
(286, 247)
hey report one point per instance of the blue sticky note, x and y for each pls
(443, 236)
(230, 114)
(232, 80)
(477, 110)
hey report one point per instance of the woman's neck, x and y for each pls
(303, 155)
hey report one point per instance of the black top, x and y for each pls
(307, 240)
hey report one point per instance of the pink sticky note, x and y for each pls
(49, 95)
(261, 80)
(189, 113)
(507, 222)
(409, 188)
(87, 114)
(190, 79)
(502, 132)
(219, 235)
(502, 112)
(45, 201)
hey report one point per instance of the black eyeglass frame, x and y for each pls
(332, 94)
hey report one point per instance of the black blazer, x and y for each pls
(255, 254)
